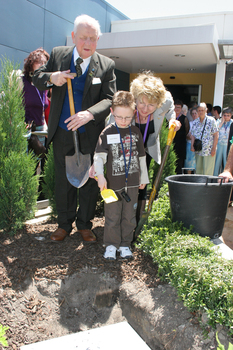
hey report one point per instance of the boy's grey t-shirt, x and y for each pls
(109, 142)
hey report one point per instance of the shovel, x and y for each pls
(108, 195)
(78, 165)
(145, 215)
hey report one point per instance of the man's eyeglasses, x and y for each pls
(122, 118)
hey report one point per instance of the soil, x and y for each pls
(50, 289)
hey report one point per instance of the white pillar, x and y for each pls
(219, 83)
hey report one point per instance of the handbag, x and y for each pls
(197, 145)
(34, 143)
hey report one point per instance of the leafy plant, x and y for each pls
(18, 185)
(221, 347)
(204, 281)
(3, 340)
(170, 164)
(48, 186)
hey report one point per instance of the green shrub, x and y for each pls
(170, 164)
(3, 339)
(18, 185)
(204, 280)
(48, 186)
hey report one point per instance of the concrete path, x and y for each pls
(113, 337)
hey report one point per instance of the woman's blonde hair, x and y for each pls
(146, 84)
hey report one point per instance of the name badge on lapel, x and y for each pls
(96, 81)
(114, 138)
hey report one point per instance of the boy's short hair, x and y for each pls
(123, 99)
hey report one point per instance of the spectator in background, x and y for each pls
(180, 137)
(205, 159)
(35, 101)
(230, 136)
(209, 109)
(228, 171)
(184, 110)
(191, 106)
(223, 125)
(35, 104)
(190, 161)
(216, 112)
(47, 111)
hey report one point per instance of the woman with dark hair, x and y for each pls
(224, 128)
(35, 104)
(180, 138)
(35, 101)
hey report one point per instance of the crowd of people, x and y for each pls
(120, 152)
(210, 127)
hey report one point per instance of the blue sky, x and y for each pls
(160, 8)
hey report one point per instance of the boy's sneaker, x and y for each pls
(125, 252)
(110, 252)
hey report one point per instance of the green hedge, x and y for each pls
(203, 279)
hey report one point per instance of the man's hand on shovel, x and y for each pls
(78, 119)
(77, 165)
(60, 78)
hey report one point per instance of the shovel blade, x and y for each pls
(141, 223)
(76, 174)
(109, 196)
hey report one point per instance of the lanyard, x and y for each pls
(147, 125)
(42, 100)
(226, 125)
(122, 146)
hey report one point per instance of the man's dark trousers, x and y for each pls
(66, 195)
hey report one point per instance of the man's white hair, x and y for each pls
(203, 105)
(87, 20)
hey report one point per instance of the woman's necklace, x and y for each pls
(147, 125)
(142, 119)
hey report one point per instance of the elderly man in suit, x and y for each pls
(93, 89)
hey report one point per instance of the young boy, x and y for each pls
(120, 146)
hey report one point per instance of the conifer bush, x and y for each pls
(170, 164)
(18, 185)
(48, 185)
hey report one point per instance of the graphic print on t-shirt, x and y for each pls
(118, 164)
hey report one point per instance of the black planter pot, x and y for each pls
(200, 201)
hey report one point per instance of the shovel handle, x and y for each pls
(170, 137)
(171, 134)
(71, 98)
(72, 112)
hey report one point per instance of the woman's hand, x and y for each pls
(142, 186)
(176, 123)
(226, 176)
(213, 152)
